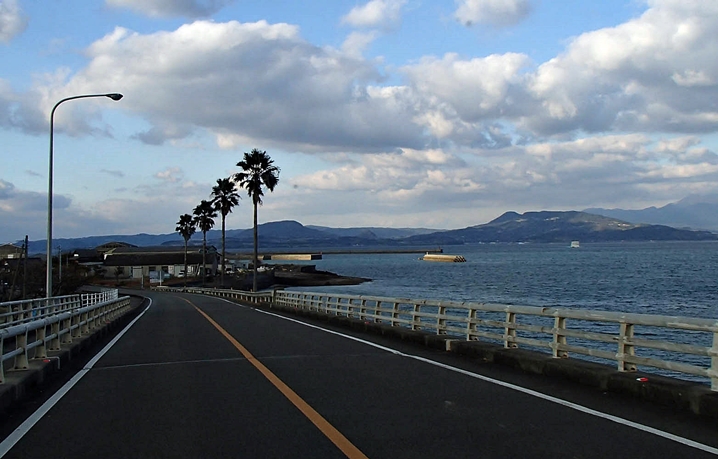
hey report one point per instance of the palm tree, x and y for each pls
(204, 215)
(258, 170)
(224, 197)
(186, 228)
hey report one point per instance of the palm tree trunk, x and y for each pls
(204, 251)
(185, 263)
(254, 280)
(223, 252)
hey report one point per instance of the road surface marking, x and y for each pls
(336, 437)
(574, 406)
(25, 427)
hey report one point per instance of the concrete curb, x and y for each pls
(674, 393)
(22, 384)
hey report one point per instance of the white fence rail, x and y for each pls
(32, 328)
(676, 344)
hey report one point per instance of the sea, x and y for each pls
(666, 278)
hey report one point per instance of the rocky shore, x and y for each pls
(296, 276)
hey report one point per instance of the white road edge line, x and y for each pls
(25, 427)
(574, 406)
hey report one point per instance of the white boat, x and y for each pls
(575, 245)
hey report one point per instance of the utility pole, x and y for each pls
(24, 270)
(59, 264)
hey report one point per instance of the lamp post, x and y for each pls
(48, 273)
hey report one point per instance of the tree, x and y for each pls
(258, 170)
(224, 197)
(186, 228)
(204, 215)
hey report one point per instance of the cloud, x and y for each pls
(653, 73)
(172, 175)
(12, 20)
(263, 84)
(492, 12)
(24, 211)
(459, 96)
(249, 81)
(375, 13)
(357, 42)
(172, 8)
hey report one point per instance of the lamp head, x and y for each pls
(114, 96)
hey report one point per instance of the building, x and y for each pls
(9, 251)
(138, 262)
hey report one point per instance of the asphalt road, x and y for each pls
(201, 377)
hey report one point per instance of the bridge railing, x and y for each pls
(681, 345)
(35, 327)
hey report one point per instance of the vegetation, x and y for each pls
(186, 228)
(258, 171)
(224, 198)
(204, 215)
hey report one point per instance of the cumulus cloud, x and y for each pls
(12, 20)
(255, 80)
(653, 73)
(492, 12)
(260, 83)
(375, 13)
(172, 8)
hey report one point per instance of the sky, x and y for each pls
(393, 113)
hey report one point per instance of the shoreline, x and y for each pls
(261, 255)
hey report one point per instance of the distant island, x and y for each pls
(511, 227)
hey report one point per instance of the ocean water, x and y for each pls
(667, 278)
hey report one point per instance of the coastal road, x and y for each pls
(198, 376)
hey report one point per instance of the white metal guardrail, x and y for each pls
(239, 295)
(31, 333)
(677, 344)
(17, 312)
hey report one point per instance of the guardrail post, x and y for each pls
(510, 331)
(625, 347)
(75, 326)
(415, 317)
(470, 325)
(41, 349)
(441, 321)
(559, 324)
(21, 362)
(55, 341)
(394, 313)
(66, 325)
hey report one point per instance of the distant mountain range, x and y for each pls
(510, 227)
(695, 211)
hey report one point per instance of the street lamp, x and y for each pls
(48, 273)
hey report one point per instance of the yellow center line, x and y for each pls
(317, 419)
